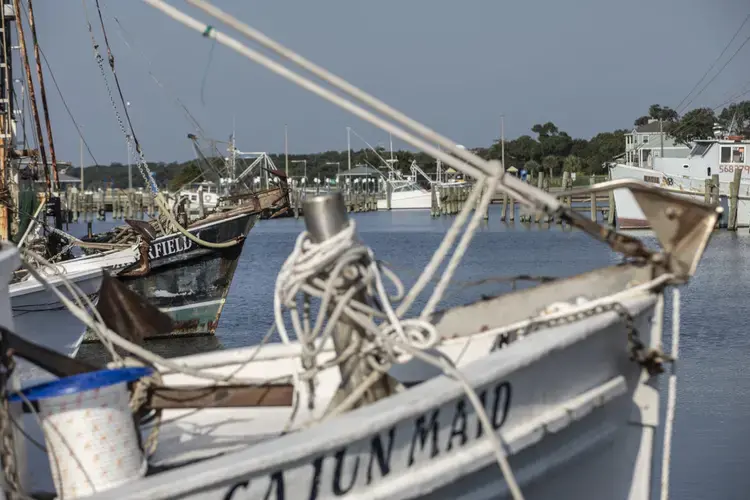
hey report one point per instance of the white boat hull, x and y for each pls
(40, 317)
(629, 214)
(564, 397)
(571, 407)
(408, 200)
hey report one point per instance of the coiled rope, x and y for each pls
(318, 270)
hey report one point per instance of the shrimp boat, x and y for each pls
(724, 156)
(550, 389)
(188, 280)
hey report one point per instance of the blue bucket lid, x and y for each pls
(82, 382)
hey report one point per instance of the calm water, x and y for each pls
(711, 451)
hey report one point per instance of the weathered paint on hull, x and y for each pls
(189, 282)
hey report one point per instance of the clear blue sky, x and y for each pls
(586, 65)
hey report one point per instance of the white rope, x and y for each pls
(671, 397)
(335, 258)
(400, 339)
(463, 245)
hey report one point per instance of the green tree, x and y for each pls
(603, 148)
(657, 112)
(739, 113)
(572, 164)
(189, 173)
(550, 164)
(520, 150)
(695, 124)
(643, 120)
(578, 147)
(532, 167)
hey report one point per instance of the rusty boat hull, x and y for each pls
(187, 281)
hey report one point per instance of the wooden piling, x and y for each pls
(707, 192)
(434, 209)
(100, 209)
(487, 208)
(592, 181)
(539, 185)
(734, 195)
(715, 194)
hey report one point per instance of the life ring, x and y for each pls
(669, 181)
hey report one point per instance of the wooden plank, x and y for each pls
(224, 396)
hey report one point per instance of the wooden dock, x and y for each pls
(446, 200)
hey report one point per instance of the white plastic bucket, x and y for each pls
(91, 438)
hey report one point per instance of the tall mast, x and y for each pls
(502, 141)
(32, 94)
(286, 152)
(43, 95)
(234, 147)
(82, 184)
(348, 148)
(6, 114)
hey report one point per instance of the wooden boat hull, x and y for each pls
(188, 281)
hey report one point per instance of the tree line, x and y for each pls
(547, 147)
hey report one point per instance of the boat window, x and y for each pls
(700, 149)
(193, 197)
(686, 166)
(726, 154)
(708, 172)
(738, 154)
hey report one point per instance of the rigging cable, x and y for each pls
(720, 70)
(140, 159)
(124, 36)
(677, 108)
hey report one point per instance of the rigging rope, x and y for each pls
(134, 146)
(318, 270)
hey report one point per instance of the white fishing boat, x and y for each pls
(722, 156)
(41, 315)
(205, 190)
(544, 392)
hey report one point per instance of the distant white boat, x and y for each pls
(720, 156)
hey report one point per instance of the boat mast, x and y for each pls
(234, 149)
(6, 117)
(32, 96)
(43, 95)
(286, 152)
(502, 141)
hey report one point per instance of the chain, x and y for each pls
(7, 448)
(651, 359)
(141, 162)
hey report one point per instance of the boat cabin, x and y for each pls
(709, 157)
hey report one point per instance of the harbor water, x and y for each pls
(710, 452)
